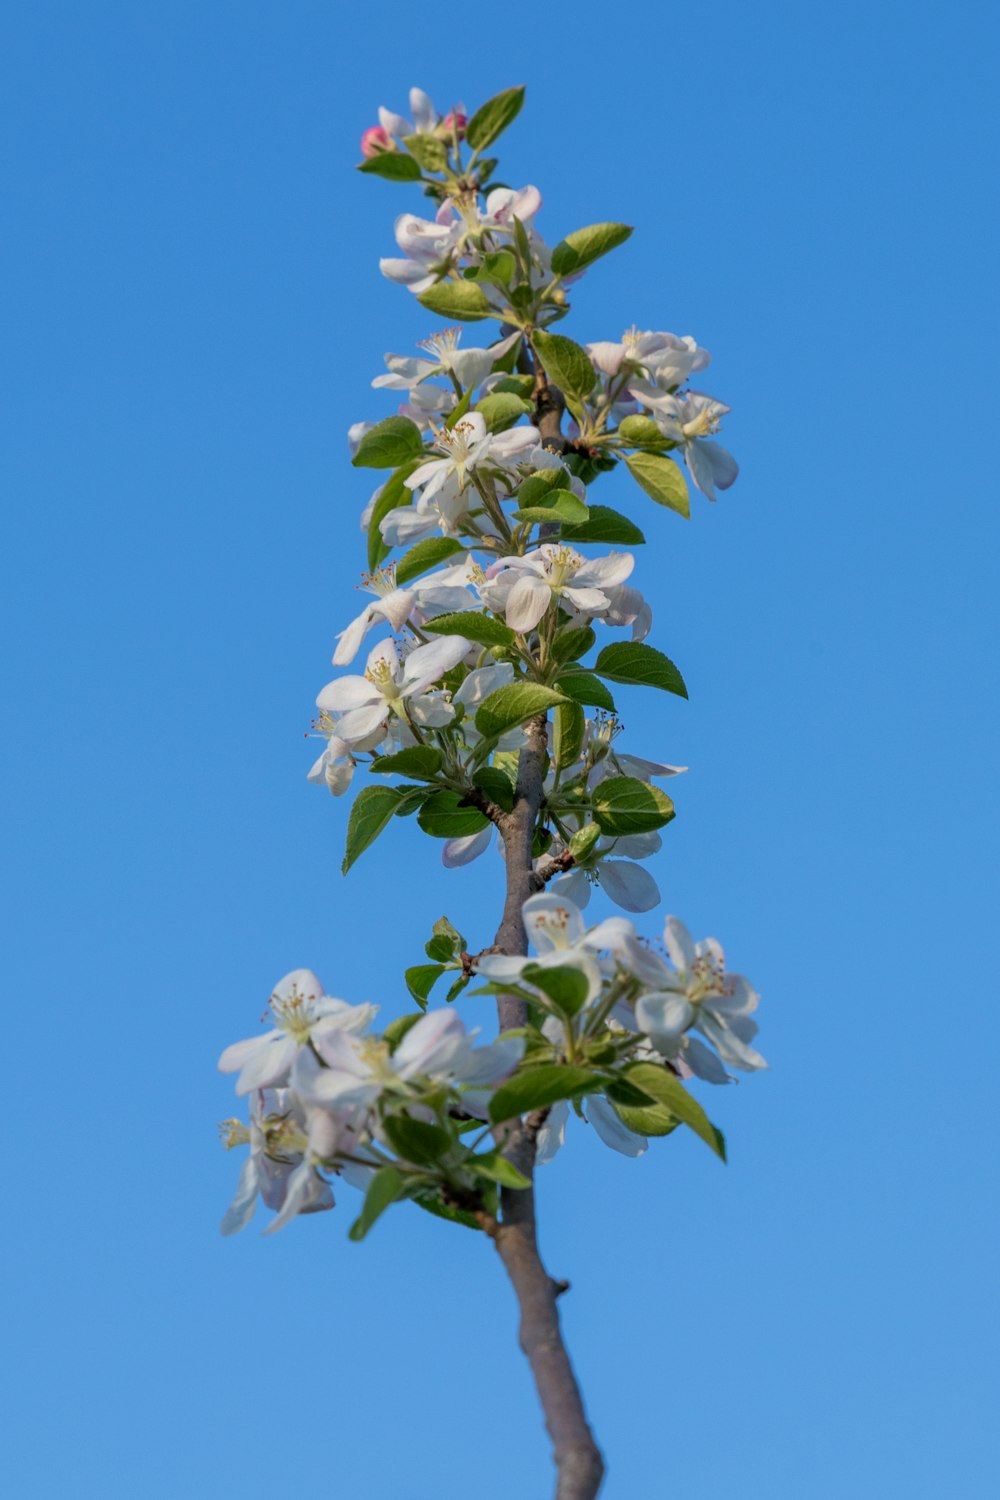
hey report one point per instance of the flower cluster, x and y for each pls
(506, 615)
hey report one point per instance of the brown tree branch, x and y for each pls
(579, 1465)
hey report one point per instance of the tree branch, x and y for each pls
(579, 1465)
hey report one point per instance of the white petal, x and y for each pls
(269, 1067)
(361, 722)
(527, 602)
(612, 1129)
(427, 663)
(629, 886)
(552, 1133)
(664, 1016)
(679, 944)
(347, 692)
(350, 639)
(241, 1209)
(552, 923)
(463, 851)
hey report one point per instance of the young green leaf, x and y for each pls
(561, 505)
(572, 641)
(497, 785)
(498, 1169)
(565, 363)
(421, 979)
(641, 665)
(385, 1188)
(493, 117)
(535, 489)
(584, 246)
(416, 760)
(537, 1087)
(584, 687)
(389, 443)
(661, 1085)
(424, 555)
(485, 630)
(584, 841)
(605, 525)
(623, 805)
(567, 987)
(660, 477)
(640, 432)
(373, 808)
(457, 299)
(569, 726)
(391, 164)
(394, 493)
(501, 409)
(512, 705)
(443, 818)
(416, 1140)
(646, 1119)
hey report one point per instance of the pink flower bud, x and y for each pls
(375, 140)
(456, 121)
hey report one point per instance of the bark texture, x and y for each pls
(579, 1465)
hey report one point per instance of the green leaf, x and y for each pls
(411, 797)
(385, 1188)
(570, 723)
(623, 804)
(427, 151)
(538, 486)
(456, 989)
(443, 818)
(512, 705)
(561, 505)
(647, 1119)
(373, 809)
(537, 1087)
(424, 555)
(447, 1211)
(584, 246)
(485, 630)
(391, 164)
(572, 641)
(498, 266)
(640, 432)
(605, 525)
(567, 987)
(394, 493)
(662, 1086)
(660, 477)
(518, 385)
(397, 1029)
(457, 299)
(421, 979)
(643, 666)
(416, 1140)
(418, 760)
(584, 687)
(497, 785)
(498, 1169)
(565, 363)
(388, 444)
(501, 409)
(584, 841)
(443, 928)
(493, 117)
(440, 949)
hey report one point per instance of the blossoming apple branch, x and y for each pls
(508, 620)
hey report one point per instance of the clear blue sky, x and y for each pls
(192, 314)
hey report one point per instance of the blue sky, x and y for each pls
(192, 316)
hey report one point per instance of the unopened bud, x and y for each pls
(376, 140)
(455, 123)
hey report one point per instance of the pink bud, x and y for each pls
(456, 121)
(374, 140)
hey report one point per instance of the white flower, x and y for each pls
(555, 928)
(348, 1074)
(522, 588)
(469, 366)
(698, 993)
(434, 594)
(425, 117)
(666, 357)
(335, 767)
(464, 447)
(393, 687)
(303, 1013)
(277, 1137)
(688, 420)
(600, 1113)
(428, 247)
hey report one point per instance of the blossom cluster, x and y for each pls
(511, 600)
